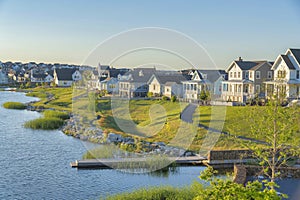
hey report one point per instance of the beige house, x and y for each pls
(286, 75)
(166, 83)
(246, 80)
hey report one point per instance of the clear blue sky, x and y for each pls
(67, 31)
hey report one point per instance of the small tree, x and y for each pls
(173, 98)
(280, 128)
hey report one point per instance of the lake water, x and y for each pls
(35, 164)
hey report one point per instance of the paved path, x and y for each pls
(187, 116)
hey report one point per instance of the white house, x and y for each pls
(286, 75)
(166, 83)
(246, 80)
(64, 77)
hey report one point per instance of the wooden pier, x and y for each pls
(119, 162)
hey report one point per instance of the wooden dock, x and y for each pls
(119, 162)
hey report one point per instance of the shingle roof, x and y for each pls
(213, 75)
(141, 75)
(65, 73)
(287, 61)
(296, 53)
(177, 78)
(246, 65)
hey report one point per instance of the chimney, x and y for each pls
(240, 58)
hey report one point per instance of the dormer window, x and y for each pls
(204, 76)
(141, 73)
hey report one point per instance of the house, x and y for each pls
(168, 84)
(286, 75)
(111, 85)
(246, 80)
(65, 77)
(193, 88)
(40, 76)
(214, 79)
(135, 82)
(3, 78)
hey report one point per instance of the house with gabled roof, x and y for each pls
(65, 77)
(246, 80)
(3, 78)
(166, 83)
(286, 75)
(135, 82)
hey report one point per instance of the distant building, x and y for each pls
(167, 84)
(3, 78)
(135, 82)
(65, 77)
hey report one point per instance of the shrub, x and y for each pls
(14, 105)
(44, 123)
(150, 94)
(173, 98)
(56, 114)
(165, 98)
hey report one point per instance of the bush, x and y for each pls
(165, 98)
(56, 114)
(173, 98)
(150, 94)
(44, 123)
(14, 105)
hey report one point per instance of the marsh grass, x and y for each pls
(44, 123)
(14, 105)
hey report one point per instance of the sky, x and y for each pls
(193, 32)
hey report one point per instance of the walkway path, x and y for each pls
(187, 116)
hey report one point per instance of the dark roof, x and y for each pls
(287, 61)
(104, 67)
(177, 78)
(213, 75)
(65, 73)
(115, 72)
(38, 75)
(296, 53)
(246, 65)
(141, 75)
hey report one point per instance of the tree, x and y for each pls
(227, 189)
(173, 98)
(150, 94)
(279, 126)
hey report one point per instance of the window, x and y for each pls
(250, 74)
(257, 74)
(298, 74)
(231, 75)
(153, 87)
(257, 88)
(281, 74)
(270, 74)
(234, 74)
(239, 74)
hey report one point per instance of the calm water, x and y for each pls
(34, 164)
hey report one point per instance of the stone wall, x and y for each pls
(285, 172)
(229, 155)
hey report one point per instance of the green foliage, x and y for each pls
(56, 114)
(165, 98)
(204, 95)
(150, 94)
(14, 105)
(44, 123)
(159, 193)
(227, 189)
(173, 98)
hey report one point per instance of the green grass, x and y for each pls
(44, 123)
(159, 193)
(56, 114)
(14, 105)
(56, 98)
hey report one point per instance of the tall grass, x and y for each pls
(14, 105)
(56, 114)
(44, 123)
(158, 193)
